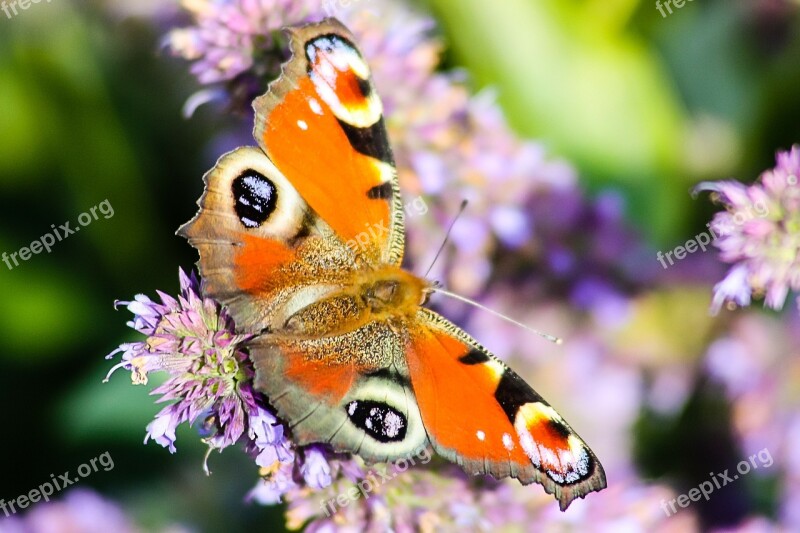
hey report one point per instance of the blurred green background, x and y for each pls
(90, 110)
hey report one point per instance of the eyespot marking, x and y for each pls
(255, 198)
(378, 420)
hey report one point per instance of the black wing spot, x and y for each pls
(371, 141)
(255, 198)
(512, 393)
(380, 421)
(383, 191)
(364, 86)
(474, 357)
(559, 428)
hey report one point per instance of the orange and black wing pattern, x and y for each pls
(322, 124)
(480, 414)
(261, 246)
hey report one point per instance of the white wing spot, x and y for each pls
(314, 105)
(529, 447)
(392, 424)
(302, 124)
(508, 442)
(481, 435)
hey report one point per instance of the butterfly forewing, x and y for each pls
(322, 124)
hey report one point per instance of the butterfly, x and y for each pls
(302, 239)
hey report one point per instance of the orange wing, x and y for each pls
(261, 247)
(481, 415)
(321, 123)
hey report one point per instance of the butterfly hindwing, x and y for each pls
(351, 391)
(480, 414)
(322, 124)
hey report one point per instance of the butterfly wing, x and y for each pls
(264, 252)
(350, 390)
(481, 415)
(322, 124)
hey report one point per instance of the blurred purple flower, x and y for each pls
(229, 35)
(194, 340)
(422, 500)
(757, 364)
(79, 510)
(759, 233)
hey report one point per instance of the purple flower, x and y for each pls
(267, 439)
(162, 429)
(757, 366)
(229, 35)
(759, 234)
(194, 340)
(422, 500)
(275, 482)
(315, 470)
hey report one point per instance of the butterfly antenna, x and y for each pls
(551, 338)
(447, 236)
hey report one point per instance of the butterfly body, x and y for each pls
(392, 295)
(302, 239)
